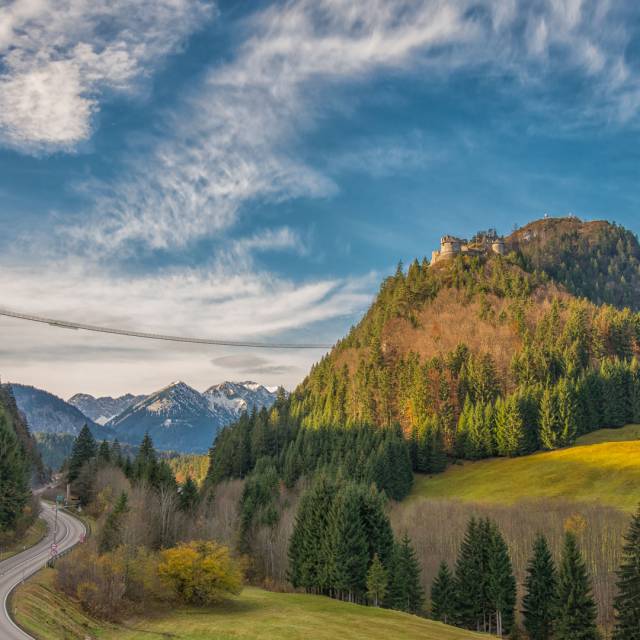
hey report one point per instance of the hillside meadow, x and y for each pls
(254, 615)
(602, 467)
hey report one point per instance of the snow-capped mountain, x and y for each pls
(180, 418)
(176, 417)
(101, 410)
(49, 414)
(237, 397)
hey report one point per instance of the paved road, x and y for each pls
(15, 569)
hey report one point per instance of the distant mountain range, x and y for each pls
(177, 417)
(101, 410)
(50, 414)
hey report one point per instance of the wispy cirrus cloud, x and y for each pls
(213, 301)
(234, 139)
(57, 58)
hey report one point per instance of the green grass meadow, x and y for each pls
(603, 467)
(254, 615)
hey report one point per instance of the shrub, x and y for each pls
(201, 572)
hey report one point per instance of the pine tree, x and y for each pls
(346, 545)
(539, 601)
(470, 576)
(405, 591)
(146, 461)
(501, 589)
(189, 496)
(111, 534)
(443, 595)
(14, 473)
(308, 543)
(576, 610)
(104, 453)
(377, 581)
(627, 603)
(116, 453)
(84, 449)
(549, 419)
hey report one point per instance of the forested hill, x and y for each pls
(596, 260)
(470, 357)
(14, 420)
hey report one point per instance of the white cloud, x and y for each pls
(217, 302)
(57, 57)
(234, 139)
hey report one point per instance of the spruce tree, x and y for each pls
(576, 609)
(14, 474)
(146, 461)
(84, 449)
(443, 595)
(549, 419)
(111, 534)
(189, 496)
(405, 591)
(470, 576)
(377, 581)
(116, 453)
(104, 453)
(501, 588)
(627, 602)
(346, 545)
(539, 600)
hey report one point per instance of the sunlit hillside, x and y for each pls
(254, 614)
(603, 466)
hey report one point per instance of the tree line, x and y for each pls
(480, 593)
(343, 546)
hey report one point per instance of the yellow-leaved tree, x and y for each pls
(201, 572)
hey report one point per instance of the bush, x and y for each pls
(201, 572)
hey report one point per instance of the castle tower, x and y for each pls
(450, 246)
(497, 246)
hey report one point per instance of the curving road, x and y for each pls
(14, 570)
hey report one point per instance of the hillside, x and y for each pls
(486, 352)
(254, 614)
(10, 413)
(595, 260)
(47, 413)
(607, 473)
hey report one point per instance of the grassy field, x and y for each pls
(32, 536)
(624, 434)
(254, 615)
(603, 466)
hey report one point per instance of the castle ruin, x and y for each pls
(450, 247)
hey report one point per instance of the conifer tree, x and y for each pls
(14, 473)
(146, 461)
(84, 449)
(308, 547)
(470, 576)
(443, 595)
(576, 609)
(501, 585)
(405, 591)
(189, 496)
(116, 453)
(104, 453)
(549, 419)
(377, 581)
(539, 601)
(627, 602)
(111, 534)
(346, 546)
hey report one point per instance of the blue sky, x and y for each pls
(252, 170)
